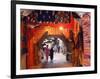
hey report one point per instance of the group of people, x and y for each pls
(47, 53)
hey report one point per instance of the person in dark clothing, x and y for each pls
(58, 49)
(51, 54)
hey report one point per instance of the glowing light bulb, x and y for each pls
(61, 28)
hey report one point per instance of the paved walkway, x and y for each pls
(58, 61)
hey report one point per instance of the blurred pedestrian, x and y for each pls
(47, 53)
(51, 54)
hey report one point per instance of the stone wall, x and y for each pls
(87, 30)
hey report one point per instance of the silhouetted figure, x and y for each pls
(47, 53)
(58, 49)
(51, 54)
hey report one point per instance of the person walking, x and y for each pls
(47, 53)
(51, 54)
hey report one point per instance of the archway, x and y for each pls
(60, 58)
